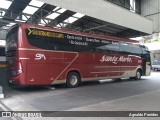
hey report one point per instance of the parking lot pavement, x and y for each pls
(107, 95)
(3, 108)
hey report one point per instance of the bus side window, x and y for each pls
(136, 50)
(101, 49)
(125, 48)
(108, 47)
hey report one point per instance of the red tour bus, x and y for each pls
(39, 55)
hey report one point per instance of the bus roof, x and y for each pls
(77, 33)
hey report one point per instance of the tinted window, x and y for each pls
(52, 40)
(105, 46)
(125, 47)
(144, 49)
(136, 49)
(11, 39)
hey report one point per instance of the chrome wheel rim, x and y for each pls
(138, 75)
(73, 80)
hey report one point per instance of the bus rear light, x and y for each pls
(32, 80)
(19, 71)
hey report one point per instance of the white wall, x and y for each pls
(2, 43)
(2, 59)
(153, 46)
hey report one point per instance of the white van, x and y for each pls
(156, 65)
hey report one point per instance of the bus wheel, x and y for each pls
(138, 75)
(73, 80)
(117, 80)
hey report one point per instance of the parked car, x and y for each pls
(156, 65)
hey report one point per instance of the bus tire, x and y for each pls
(117, 80)
(73, 80)
(138, 74)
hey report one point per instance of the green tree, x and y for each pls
(156, 40)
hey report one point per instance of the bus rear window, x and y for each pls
(11, 40)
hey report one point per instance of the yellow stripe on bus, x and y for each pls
(2, 65)
(148, 63)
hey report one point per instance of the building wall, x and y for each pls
(151, 10)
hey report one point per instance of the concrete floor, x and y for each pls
(127, 95)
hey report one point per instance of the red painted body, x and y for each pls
(54, 66)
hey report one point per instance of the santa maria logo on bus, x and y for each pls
(40, 56)
(115, 59)
(112, 59)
